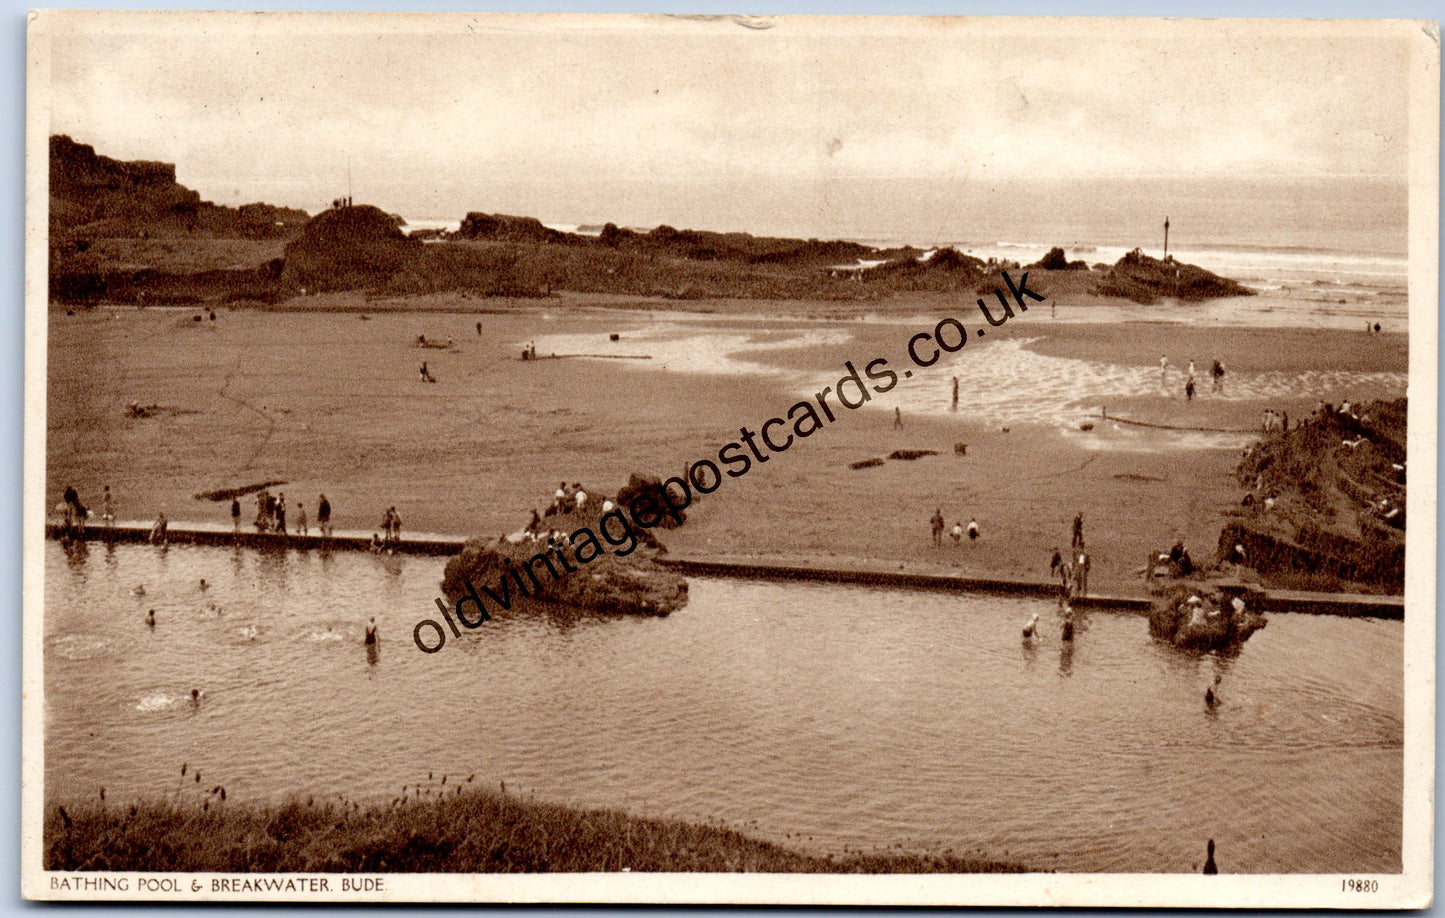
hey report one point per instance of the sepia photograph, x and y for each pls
(730, 459)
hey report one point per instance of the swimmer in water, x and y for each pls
(204, 585)
(1032, 627)
(371, 631)
(151, 618)
(196, 696)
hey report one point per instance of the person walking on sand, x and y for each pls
(1217, 371)
(301, 519)
(323, 516)
(281, 513)
(957, 532)
(972, 529)
(937, 525)
(1189, 389)
(897, 418)
(479, 328)
(236, 514)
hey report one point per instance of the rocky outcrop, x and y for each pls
(1055, 260)
(1202, 618)
(507, 228)
(525, 572)
(1338, 488)
(94, 196)
(346, 248)
(1147, 280)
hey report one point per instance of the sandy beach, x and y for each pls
(331, 402)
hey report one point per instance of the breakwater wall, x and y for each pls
(1345, 604)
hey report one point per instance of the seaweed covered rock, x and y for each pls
(573, 558)
(1196, 617)
(517, 577)
(1146, 280)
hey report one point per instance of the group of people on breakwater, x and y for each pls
(271, 515)
(1072, 571)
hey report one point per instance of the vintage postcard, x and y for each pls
(670, 459)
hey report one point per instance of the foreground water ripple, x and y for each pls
(816, 715)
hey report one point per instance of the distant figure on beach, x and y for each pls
(196, 696)
(375, 544)
(395, 525)
(1163, 370)
(579, 496)
(536, 522)
(301, 519)
(897, 417)
(957, 532)
(281, 513)
(1377, 328)
(972, 529)
(1217, 372)
(107, 508)
(955, 393)
(204, 585)
(151, 618)
(479, 328)
(371, 631)
(1081, 573)
(1055, 561)
(1189, 389)
(323, 515)
(1210, 869)
(386, 524)
(1191, 369)
(236, 514)
(1078, 529)
(937, 525)
(426, 374)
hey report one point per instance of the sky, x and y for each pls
(803, 125)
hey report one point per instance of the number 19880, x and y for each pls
(1367, 886)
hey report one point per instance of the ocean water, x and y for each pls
(818, 716)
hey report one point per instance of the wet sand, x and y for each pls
(333, 403)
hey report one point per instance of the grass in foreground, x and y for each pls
(454, 829)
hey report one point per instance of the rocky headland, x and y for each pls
(107, 217)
